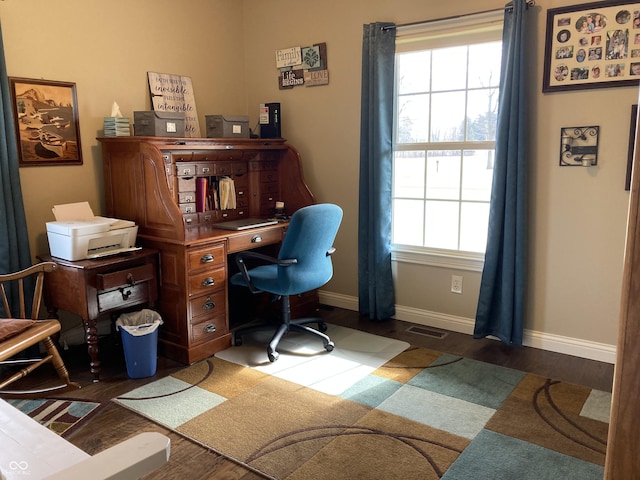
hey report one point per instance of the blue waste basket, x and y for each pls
(140, 341)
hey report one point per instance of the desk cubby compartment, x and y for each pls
(226, 155)
(186, 184)
(185, 169)
(187, 197)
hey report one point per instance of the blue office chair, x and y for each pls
(303, 264)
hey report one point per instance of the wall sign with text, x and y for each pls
(592, 45)
(174, 93)
(302, 66)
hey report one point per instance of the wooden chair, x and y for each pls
(18, 333)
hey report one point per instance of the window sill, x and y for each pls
(468, 261)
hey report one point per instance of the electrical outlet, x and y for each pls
(456, 283)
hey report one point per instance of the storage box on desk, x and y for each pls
(153, 123)
(227, 126)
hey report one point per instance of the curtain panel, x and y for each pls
(500, 309)
(375, 281)
(14, 239)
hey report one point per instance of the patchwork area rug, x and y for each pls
(61, 416)
(421, 415)
(304, 360)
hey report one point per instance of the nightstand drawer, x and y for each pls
(125, 277)
(124, 296)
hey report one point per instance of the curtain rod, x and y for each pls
(530, 3)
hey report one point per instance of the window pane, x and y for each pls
(447, 116)
(449, 69)
(412, 118)
(482, 114)
(473, 231)
(408, 174)
(477, 175)
(484, 64)
(413, 72)
(441, 219)
(408, 226)
(443, 175)
(446, 103)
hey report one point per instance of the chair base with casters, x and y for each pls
(303, 265)
(287, 325)
(20, 334)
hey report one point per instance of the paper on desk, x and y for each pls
(227, 194)
(73, 211)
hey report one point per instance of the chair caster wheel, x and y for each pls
(329, 347)
(322, 327)
(273, 356)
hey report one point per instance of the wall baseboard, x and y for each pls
(545, 341)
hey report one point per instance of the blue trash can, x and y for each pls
(140, 341)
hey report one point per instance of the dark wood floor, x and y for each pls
(189, 460)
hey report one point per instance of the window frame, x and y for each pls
(486, 27)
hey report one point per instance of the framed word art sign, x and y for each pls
(592, 45)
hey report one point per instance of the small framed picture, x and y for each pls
(592, 45)
(46, 119)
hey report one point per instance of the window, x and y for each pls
(445, 122)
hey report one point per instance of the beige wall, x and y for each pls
(107, 48)
(578, 216)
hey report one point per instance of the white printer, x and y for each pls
(78, 234)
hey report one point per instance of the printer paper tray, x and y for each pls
(113, 251)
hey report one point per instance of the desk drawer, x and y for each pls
(207, 305)
(206, 256)
(124, 278)
(255, 239)
(209, 329)
(207, 281)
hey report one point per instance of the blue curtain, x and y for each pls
(500, 309)
(375, 282)
(14, 240)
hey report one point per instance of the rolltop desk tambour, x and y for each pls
(150, 180)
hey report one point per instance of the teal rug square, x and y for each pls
(470, 380)
(498, 457)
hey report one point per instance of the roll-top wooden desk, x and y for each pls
(153, 181)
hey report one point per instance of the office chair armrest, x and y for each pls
(242, 266)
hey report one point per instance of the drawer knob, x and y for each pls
(256, 239)
(208, 282)
(125, 294)
(210, 328)
(207, 258)
(209, 305)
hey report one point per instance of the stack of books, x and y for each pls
(116, 127)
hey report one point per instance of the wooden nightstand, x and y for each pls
(91, 288)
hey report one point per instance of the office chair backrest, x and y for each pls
(309, 239)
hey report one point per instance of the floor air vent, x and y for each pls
(427, 331)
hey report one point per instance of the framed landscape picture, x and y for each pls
(46, 119)
(592, 45)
